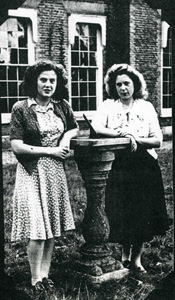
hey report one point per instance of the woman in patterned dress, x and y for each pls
(41, 129)
(135, 203)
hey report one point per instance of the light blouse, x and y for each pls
(140, 119)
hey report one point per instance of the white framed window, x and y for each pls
(16, 53)
(87, 37)
(166, 90)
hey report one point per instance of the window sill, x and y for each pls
(166, 113)
(5, 118)
(89, 115)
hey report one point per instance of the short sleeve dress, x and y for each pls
(135, 202)
(41, 205)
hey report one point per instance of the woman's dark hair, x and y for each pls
(140, 90)
(29, 85)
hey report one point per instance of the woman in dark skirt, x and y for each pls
(135, 203)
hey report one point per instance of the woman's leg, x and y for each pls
(35, 251)
(126, 252)
(47, 256)
(137, 251)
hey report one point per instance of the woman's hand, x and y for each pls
(19, 148)
(68, 135)
(65, 143)
(59, 152)
(124, 133)
(133, 143)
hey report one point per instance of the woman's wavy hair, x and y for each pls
(140, 89)
(29, 85)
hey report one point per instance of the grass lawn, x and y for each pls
(157, 257)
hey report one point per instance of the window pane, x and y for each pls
(165, 88)
(92, 103)
(92, 75)
(4, 55)
(23, 59)
(3, 36)
(165, 75)
(83, 89)
(165, 101)
(92, 59)
(75, 58)
(170, 101)
(75, 46)
(93, 30)
(93, 44)
(12, 38)
(74, 89)
(92, 89)
(22, 33)
(84, 59)
(3, 105)
(3, 89)
(83, 74)
(165, 59)
(75, 104)
(170, 60)
(12, 32)
(21, 71)
(83, 104)
(12, 88)
(167, 72)
(12, 73)
(170, 75)
(12, 101)
(13, 52)
(20, 89)
(74, 74)
(14, 56)
(2, 73)
(84, 44)
(83, 55)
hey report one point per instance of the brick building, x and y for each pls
(87, 37)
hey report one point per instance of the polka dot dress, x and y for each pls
(41, 206)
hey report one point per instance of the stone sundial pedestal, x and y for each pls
(94, 158)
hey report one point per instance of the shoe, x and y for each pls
(138, 270)
(48, 284)
(50, 288)
(139, 273)
(126, 264)
(39, 291)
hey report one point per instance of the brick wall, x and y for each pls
(145, 46)
(117, 34)
(52, 31)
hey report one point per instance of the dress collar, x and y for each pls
(32, 101)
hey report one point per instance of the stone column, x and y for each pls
(94, 158)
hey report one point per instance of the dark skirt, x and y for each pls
(135, 202)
